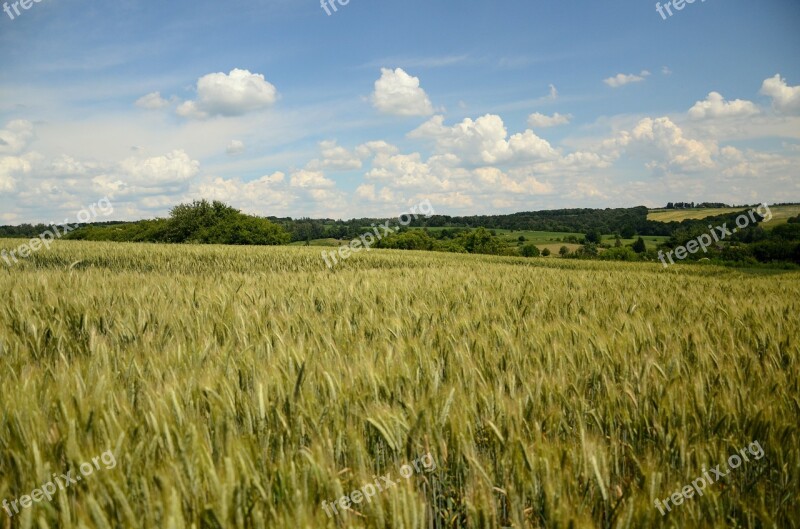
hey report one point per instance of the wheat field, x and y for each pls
(242, 387)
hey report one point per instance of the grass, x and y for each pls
(241, 387)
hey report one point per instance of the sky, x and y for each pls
(293, 108)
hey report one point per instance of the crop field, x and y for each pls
(780, 214)
(243, 387)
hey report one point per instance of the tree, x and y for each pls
(594, 236)
(639, 246)
(216, 223)
(480, 241)
(529, 250)
(617, 242)
(546, 252)
(563, 251)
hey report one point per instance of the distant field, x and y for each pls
(677, 215)
(650, 241)
(553, 240)
(780, 214)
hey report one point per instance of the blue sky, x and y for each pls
(278, 108)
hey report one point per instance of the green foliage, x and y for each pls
(529, 250)
(410, 240)
(627, 231)
(480, 241)
(639, 246)
(546, 252)
(593, 236)
(737, 253)
(197, 222)
(622, 253)
(587, 250)
(563, 251)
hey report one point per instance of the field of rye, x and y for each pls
(242, 387)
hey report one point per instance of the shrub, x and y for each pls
(529, 250)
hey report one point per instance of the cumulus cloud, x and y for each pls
(622, 79)
(68, 166)
(173, 168)
(233, 94)
(335, 157)
(10, 168)
(266, 195)
(372, 148)
(715, 106)
(537, 120)
(16, 136)
(310, 179)
(403, 171)
(400, 94)
(484, 141)
(152, 101)
(665, 144)
(785, 98)
(235, 147)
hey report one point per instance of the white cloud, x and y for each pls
(399, 94)
(537, 120)
(10, 168)
(404, 171)
(665, 70)
(715, 106)
(335, 157)
(235, 147)
(622, 79)
(152, 101)
(267, 195)
(16, 137)
(68, 166)
(233, 94)
(553, 92)
(483, 141)
(785, 98)
(664, 144)
(172, 168)
(372, 148)
(310, 179)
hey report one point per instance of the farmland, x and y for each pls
(780, 214)
(242, 387)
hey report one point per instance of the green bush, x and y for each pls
(529, 250)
